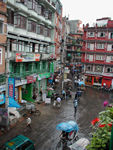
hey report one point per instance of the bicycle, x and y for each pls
(64, 143)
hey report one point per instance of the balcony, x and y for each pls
(23, 56)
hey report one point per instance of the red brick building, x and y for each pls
(58, 29)
(97, 53)
(3, 34)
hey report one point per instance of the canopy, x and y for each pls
(73, 124)
(67, 126)
(81, 83)
(13, 103)
(80, 144)
(64, 126)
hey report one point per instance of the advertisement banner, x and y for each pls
(23, 57)
(31, 79)
(11, 87)
(2, 99)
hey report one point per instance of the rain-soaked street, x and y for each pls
(44, 132)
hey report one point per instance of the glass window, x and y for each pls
(10, 18)
(100, 46)
(31, 26)
(38, 29)
(20, 21)
(1, 27)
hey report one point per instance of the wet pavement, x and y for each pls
(44, 132)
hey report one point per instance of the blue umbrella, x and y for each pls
(64, 126)
(81, 83)
(73, 124)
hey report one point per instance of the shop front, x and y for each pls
(42, 85)
(88, 80)
(107, 81)
(28, 89)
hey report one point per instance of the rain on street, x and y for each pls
(44, 132)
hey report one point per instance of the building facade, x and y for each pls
(74, 45)
(30, 46)
(3, 36)
(58, 31)
(3, 46)
(97, 52)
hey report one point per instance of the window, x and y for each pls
(0, 56)
(26, 145)
(20, 21)
(90, 46)
(99, 57)
(101, 34)
(109, 69)
(111, 35)
(10, 18)
(39, 9)
(31, 26)
(98, 68)
(108, 59)
(100, 46)
(89, 68)
(90, 34)
(109, 47)
(1, 27)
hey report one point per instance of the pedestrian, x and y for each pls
(28, 121)
(58, 101)
(75, 106)
(64, 94)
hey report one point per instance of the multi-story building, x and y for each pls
(30, 46)
(3, 38)
(58, 29)
(97, 54)
(74, 44)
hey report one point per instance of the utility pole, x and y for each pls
(7, 77)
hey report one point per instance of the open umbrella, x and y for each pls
(73, 124)
(81, 83)
(64, 126)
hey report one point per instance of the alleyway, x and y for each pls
(44, 132)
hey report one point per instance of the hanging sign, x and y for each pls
(22, 57)
(11, 87)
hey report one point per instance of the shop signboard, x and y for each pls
(27, 57)
(43, 76)
(3, 117)
(2, 99)
(11, 87)
(31, 79)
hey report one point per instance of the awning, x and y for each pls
(13, 103)
(43, 76)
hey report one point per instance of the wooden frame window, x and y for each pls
(10, 18)
(20, 21)
(31, 26)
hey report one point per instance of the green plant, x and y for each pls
(101, 130)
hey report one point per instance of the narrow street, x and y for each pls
(44, 132)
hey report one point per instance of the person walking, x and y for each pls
(28, 121)
(75, 106)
